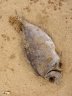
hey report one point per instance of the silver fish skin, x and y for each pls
(41, 52)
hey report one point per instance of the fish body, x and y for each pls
(39, 48)
(41, 52)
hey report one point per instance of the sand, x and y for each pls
(17, 77)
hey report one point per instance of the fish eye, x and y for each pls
(52, 79)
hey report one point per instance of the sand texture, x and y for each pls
(17, 77)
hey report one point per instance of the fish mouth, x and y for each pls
(56, 70)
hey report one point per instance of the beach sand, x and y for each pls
(17, 77)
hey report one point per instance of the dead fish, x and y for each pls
(41, 52)
(40, 49)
